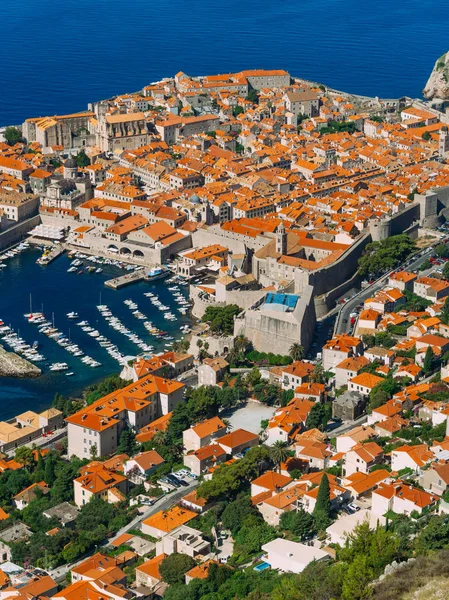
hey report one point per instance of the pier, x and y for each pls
(127, 279)
(54, 253)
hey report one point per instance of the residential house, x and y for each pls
(97, 481)
(401, 498)
(355, 436)
(311, 391)
(184, 540)
(292, 557)
(139, 467)
(203, 434)
(100, 424)
(268, 483)
(237, 441)
(23, 498)
(339, 348)
(166, 521)
(316, 454)
(148, 574)
(297, 373)
(348, 406)
(349, 368)
(288, 421)
(200, 461)
(431, 288)
(435, 479)
(402, 280)
(212, 370)
(364, 383)
(362, 457)
(410, 457)
(362, 484)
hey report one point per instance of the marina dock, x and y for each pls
(54, 253)
(127, 279)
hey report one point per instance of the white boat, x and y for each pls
(59, 367)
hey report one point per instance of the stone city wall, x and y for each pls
(18, 232)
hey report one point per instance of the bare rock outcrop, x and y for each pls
(12, 365)
(438, 84)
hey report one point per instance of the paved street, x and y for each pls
(342, 323)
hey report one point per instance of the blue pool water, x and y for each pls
(59, 292)
(61, 55)
(262, 567)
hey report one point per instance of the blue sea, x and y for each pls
(57, 292)
(58, 56)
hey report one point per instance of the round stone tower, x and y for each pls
(70, 168)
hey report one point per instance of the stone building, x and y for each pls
(277, 321)
(348, 407)
(69, 189)
(69, 131)
(120, 131)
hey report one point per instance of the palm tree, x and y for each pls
(241, 343)
(296, 351)
(278, 454)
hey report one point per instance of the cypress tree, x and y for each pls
(49, 473)
(322, 509)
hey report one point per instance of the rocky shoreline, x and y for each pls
(12, 365)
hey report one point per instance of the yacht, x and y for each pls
(59, 367)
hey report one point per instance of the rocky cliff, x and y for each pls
(438, 83)
(12, 365)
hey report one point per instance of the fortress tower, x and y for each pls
(443, 149)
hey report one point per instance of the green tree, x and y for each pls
(296, 351)
(317, 417)
(253, 96)
(317, 375)
(434, 536)
(429, 359)
(127, 443)
(442, 250)
(24, 456)
(279, 453)
(82, 160)
(221, 318)
(49, 473)
(377, 397)
(358, 576)
(174, 567)
(426, 136)
(446, 271)
(322, 509)
(228, 480)
(39, 474)
(300, 522)
(235, 513)
(237, 110)
(12, 135)
(385, 255)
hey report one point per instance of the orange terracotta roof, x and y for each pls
(168, 520)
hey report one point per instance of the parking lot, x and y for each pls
(176, 480)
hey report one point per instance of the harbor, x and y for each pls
(64, 320)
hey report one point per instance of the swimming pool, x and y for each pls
(262, 567)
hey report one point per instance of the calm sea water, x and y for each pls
(61, 55)
(60, 292)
